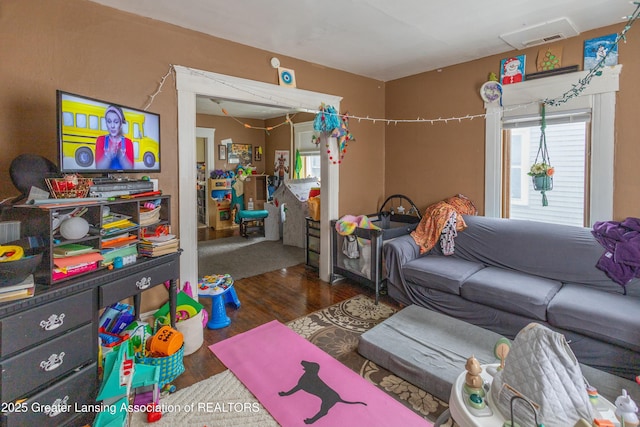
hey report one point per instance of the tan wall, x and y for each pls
(228, 128)
(430, 162)
(85, 48)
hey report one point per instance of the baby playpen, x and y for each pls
(357, 253)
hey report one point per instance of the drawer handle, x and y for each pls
(54, 361)
(143, 283)
(53, 322)
(58, 407)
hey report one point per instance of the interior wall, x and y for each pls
(429, 162)
(228, 128)
(72, 45)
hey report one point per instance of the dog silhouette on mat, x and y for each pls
(312, 384)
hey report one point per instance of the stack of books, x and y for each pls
(117, 223)
(74, 258)
(152, 246)
(120, 237)
(24, 289)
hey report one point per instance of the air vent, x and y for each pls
(540, 34)
(544, 40)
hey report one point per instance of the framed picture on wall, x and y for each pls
(240, 153)
(512, 70)
(600, 49)
(222, 152)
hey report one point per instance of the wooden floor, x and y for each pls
(282, 295)
(208, 233)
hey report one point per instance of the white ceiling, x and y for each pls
(381, 39)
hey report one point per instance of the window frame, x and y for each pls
(525, 97)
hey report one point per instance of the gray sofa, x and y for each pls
(506, 273)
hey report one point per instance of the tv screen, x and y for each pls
(101, 137)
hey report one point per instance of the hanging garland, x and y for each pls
(541, 171)
(329, 122)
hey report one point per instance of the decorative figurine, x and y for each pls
(473, 383)
(626, 410)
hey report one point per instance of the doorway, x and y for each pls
(204, 162)
(189, 83)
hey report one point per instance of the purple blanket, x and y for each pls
(621, 261)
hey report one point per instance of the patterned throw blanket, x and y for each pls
(442, 221)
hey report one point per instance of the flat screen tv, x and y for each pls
(101, 137)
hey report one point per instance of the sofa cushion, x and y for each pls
(609, 317)
(440, 272)
(511, 291)
(564, 253)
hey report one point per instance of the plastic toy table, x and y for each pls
(220, 289)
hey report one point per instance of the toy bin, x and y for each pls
(193, 333)
(170, 366)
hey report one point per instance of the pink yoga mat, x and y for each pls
(267, 360)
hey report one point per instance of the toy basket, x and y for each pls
(69, 187)
(170, 367)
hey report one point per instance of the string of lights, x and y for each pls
(573, 92)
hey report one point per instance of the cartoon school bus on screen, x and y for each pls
(82, 123)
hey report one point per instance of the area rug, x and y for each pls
(246, 257)
(299, 384)
(334, 329)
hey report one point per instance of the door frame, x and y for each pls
(192, 82)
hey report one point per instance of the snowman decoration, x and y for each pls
(511, 71)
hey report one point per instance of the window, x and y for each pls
(567, 145)
(308, 149)
(518, 151)
(67, 118)
(93, 122)
(311, 166)
(81, 120)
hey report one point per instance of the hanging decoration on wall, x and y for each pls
(326, 119)
(329, 122)
(491, 90)
(286, 77)
(249, 126)
(549, 59)
(541, 171)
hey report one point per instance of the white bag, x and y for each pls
(350, 246)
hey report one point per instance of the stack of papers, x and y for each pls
(153, 246)
(24, 289)
(71, 249)
(117, 223)
(76, 264)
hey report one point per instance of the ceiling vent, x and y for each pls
(546, 32)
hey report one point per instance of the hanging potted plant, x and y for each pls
(542, 176)
(541, 171)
